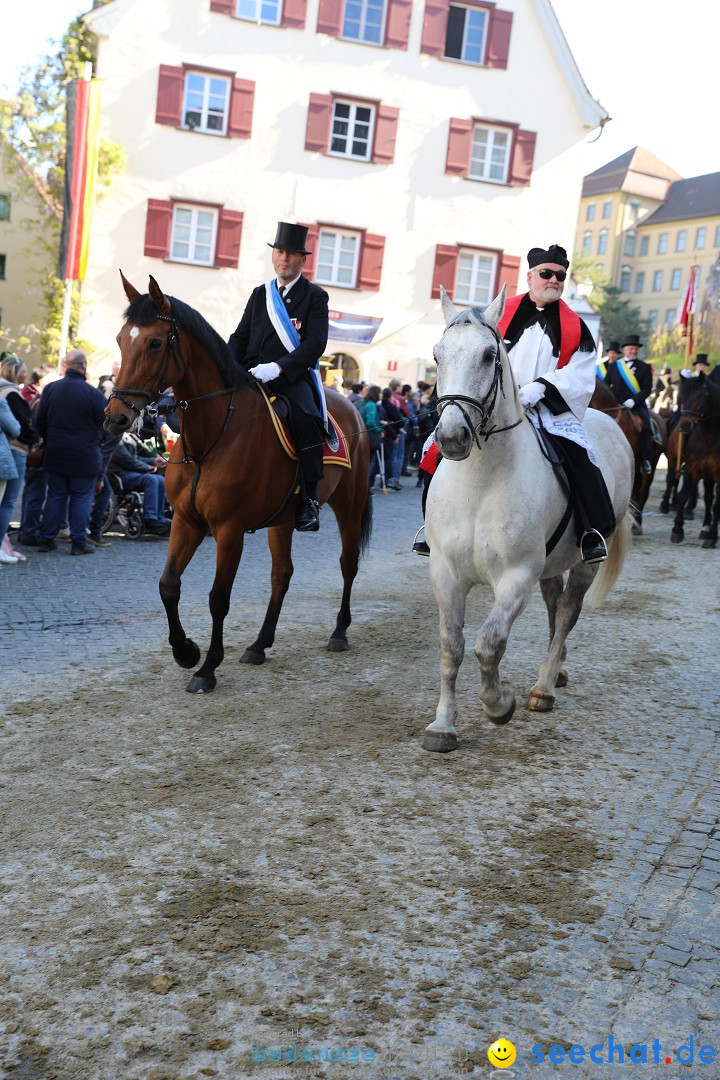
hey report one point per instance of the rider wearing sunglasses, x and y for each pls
(552, 354)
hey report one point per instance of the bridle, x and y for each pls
(172, 352)
(486, 406)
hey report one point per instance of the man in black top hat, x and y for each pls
(630, 380)
(280, 338)
(613, 352)
(700, 363)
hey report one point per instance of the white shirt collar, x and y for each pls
(289, 287)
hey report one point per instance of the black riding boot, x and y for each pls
(645, 449)
(421, 547)
(594, 516)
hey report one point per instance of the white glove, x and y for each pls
(266, 372)
(530, 394)
(687, 373)
(629, 403)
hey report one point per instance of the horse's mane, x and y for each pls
(143, 312)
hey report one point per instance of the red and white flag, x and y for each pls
(688, 307)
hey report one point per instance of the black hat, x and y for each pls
(667, 370)
(614, 346)
(632, 339)
(701, 358)
(291, 238)
(554, 254)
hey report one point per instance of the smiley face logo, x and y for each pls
(501, 1054)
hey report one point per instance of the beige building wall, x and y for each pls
(412, 202)
(660, 278)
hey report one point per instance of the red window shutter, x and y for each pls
(311, 244)
(398, 23)
(523, 153)
(371, 260)
(171, 82)
(225, 7)
(157, 228)
(435, 27)
(317, 135)
(459, 147)
(508, 274)
(386, 122)
(227, 248)
(293, 13)
(446, 257)
(242, 98)
(498, 47)
(330, 17)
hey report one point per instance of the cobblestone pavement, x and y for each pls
(551, 883)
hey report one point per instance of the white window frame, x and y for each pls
(6, 201)
(640, 281)
(587, 241)
(607, 209)
(351, 122)
(463, 58)
(491, 130)
(361, 38)
(474, 296)
(644, 246)
(333, 277)
(717, 236)
(662, 244)
(590, 212)
(629, 243)
(194, 210)
(258, 16)
(657, 281)
(625, 278)
(681, 244)
(700, 237)
(675, 278)
(670, 318)
(652, 318)
(207, 77)
(602, 242)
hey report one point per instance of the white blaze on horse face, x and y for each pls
(134, 331)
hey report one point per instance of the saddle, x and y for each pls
(552, 452)
(279, 407)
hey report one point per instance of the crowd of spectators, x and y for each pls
(399, 419)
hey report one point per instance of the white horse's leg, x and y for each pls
(552, 589)
(511, 596)
(451, 597)
(567, 611)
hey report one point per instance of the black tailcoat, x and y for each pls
(621, 390)
(256, 342)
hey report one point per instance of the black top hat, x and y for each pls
(553, 254)
(632, 339)
(701, 358)
(291, 238)
(614, 346)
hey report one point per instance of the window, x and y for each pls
(364, 21)
(205, 107)
(2, 267)
(602, 242)
(670, 316)
(466, 34)
(337, 259)
(587, 241)
(475, 278)
(490, 154)
(675, 279)
(657, 281)
(662, 243)
(681, 240)
(717, 236)
(351, 134)
(590, 212)
(700, 236)
(640, 281)
(629, 247)
(193, 235)
(644, 245)
(634, 209)
(259, 11)
(5, 207)
(652, 317)
(607, 209)
(625, 279)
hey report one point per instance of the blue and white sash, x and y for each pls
(283, 326)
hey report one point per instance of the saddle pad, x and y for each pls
(656, 434)
(330, 457)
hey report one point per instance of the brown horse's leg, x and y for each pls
(280, 538)
(354, 520)
(184, 541)
(230, 542)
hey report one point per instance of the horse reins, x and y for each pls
(486, 410)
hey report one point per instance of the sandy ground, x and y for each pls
(192, 882)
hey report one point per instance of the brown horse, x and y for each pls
(228, 473)
(604, 400)
(698, 436)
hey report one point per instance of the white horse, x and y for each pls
(493, 505)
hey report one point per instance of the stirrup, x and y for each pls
(598, 548)
(331, 438)
(420, 547)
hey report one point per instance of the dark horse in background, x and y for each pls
(604, 400)
(227, 472)
(698, 433)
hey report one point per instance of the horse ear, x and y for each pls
(448, 308)
(158, 297)
(130, 290)
(494, 311)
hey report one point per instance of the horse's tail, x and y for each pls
(366, 524)
(607, 575)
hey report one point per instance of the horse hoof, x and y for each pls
(338, 644)
(709, 543)
(439, 742)
(201, 685)
(636, 530)
(664, 508)
(188, 655)
(252, 657)
(539, 701)
(677, 537)
(506, 717)
(704, 534)
(562, 678)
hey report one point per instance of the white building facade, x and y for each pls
(423, 144)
